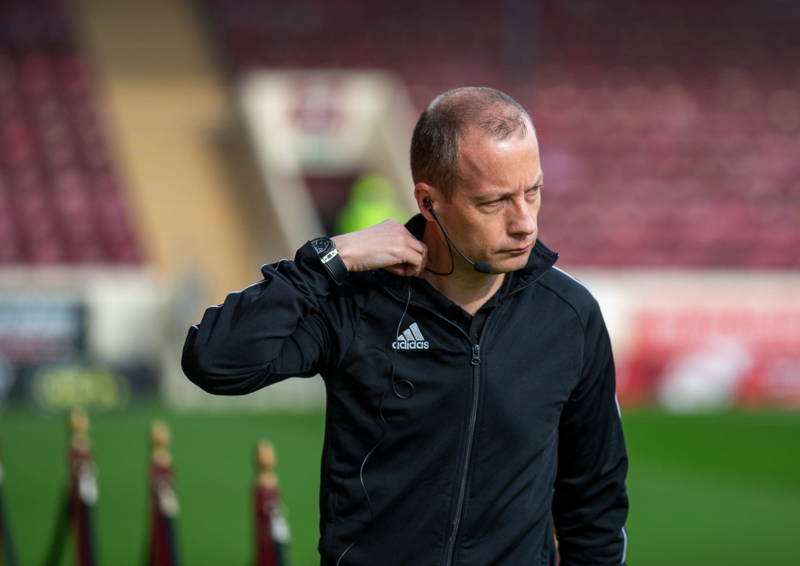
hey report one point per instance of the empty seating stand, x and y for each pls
(670, 130)
(59, 198)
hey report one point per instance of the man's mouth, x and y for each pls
(518, 251)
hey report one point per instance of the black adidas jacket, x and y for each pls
(453, 450)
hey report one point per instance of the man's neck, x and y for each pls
(467, 294)
(466, 287)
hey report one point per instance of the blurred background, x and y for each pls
(154, 153)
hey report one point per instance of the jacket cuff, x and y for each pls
(306, 271)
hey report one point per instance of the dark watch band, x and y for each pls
(330, 259)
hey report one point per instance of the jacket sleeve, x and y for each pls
(590, 502)
(291, 323)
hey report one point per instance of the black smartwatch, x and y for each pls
(329, 257)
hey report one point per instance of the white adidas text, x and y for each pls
(411, 339)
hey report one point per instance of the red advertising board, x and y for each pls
(696, 358)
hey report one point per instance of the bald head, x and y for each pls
(448, 118)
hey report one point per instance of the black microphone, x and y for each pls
(479, 266)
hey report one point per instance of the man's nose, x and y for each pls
(521, 219)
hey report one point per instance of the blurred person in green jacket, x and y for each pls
(372, 200)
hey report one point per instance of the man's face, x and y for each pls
(492, 215)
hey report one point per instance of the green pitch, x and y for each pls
(705, 489)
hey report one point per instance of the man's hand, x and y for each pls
(386, 245)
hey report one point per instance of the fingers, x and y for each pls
(416, 245)
(387, 245)
(415, 259)
(424, 261)
(414, 256)
(401, 269)
(405, 270)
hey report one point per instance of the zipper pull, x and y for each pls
(476, 354)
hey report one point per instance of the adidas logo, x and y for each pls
(411, 339)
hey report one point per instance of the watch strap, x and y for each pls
(330, 259)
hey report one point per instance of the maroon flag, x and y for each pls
(272, 529)
(8, 556)
(83, 495)
(77, 510)
(163, 500)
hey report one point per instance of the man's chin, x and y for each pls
(509, 264)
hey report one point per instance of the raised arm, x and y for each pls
(590, 503)
(271, 330)
(296, 320)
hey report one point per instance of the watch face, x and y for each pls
(322, 245)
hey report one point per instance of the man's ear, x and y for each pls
(424, 194)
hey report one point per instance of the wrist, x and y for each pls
(329, 257)
(341, 243)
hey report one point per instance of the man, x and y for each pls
(471, 405)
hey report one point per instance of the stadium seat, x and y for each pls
(53, 155)
(653, 156)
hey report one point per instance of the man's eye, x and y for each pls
(492, 204)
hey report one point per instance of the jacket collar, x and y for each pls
(540, 260)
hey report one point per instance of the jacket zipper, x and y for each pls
(476, 362)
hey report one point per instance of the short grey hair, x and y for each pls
(434, 144)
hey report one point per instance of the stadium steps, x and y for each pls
(166, 109)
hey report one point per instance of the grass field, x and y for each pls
(705, 489)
